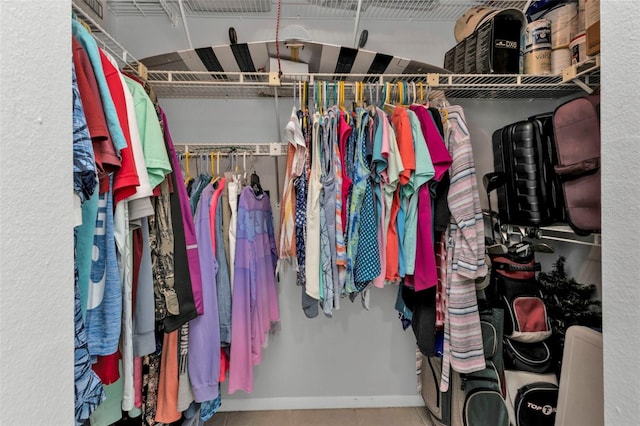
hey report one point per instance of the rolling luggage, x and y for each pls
(524, 152)
(576, 127)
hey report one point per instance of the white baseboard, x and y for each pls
(308, 403)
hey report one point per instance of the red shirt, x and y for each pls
(126, 179)
(107, 161)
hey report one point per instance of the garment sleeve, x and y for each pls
(274, 308)
(464, 204)
(243, 301)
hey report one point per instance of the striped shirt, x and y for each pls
(463, 349)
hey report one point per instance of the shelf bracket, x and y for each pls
(169, 12)
(433, 79)
(581, 84)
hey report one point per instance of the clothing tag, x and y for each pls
(171, 300)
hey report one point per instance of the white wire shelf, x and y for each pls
(238, 85)
(435, 10)
(203, 84)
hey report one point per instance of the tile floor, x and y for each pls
(406, 416)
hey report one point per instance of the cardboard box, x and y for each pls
(591, 12)
(593, 39)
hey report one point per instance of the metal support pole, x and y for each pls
(355, 29)
(275, 92)
(184, 23)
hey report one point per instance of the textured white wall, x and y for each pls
(620, 210)
(36, 239)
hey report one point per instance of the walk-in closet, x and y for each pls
(296, 212)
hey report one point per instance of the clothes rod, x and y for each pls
(273, 149)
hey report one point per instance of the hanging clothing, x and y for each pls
(90, 46)
(362, 246)
(105, 155)
(167, 405)
(204, 331)
(379, 169)
(125, 180)
(392, 200)
(89, 393)
(463, 349)
(144, 339)
(423, 173)
(223, 285)
(344, 135)
(185, 392)
(425, 271)
(234, 189)
(340, 249)
(191, 244)
(104, 300)
(309, 304)
(330, 279)
(140, 205)
(182, 286)
(123, 240)
(255, 310)
(151, 136)
(296, 154)
(161, 242)
(150, 382)
(312, 257)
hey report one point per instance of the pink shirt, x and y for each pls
(425, 274)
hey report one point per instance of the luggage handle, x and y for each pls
(576, 170)
(517, 268)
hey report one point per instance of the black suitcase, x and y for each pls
(525, 153)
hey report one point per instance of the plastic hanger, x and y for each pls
(244, 164)
(371, 94)
(384, 96)
(341, 101)
(295, 88)
(325, 96)
(334, 95)
(255, 184)
(187, 157)
(387, 97)
(212, 156)
(303, 103)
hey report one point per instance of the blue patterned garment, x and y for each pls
(209, 408)
(85, 178)
(301, 188)
(88, 388)
(362, 246)
(103, 319)
(368, 258)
